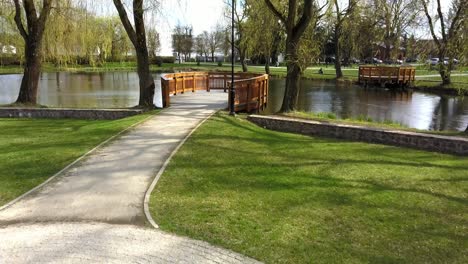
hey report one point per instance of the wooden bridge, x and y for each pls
(251, 90)
(382, 75)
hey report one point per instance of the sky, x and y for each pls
(201, 14)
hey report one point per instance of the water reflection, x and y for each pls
(79, 90)
(120, 89)
(413, 109)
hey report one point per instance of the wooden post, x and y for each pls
(208, 82)
(183, 83)
(224, 82)
(193, 84)
(249, 92)
(175, 85)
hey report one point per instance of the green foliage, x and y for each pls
(285, 198)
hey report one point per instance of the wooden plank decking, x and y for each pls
(382, 75)
(251, 89)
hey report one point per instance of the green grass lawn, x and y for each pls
(35, 149)
(286, 198)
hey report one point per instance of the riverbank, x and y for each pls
(286, 198)
(431, 83)
(367, 122)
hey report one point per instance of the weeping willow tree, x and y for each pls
(75, 34)
(262, 31)
(11, 42)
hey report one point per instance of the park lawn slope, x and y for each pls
(286, 198)
(35, 149)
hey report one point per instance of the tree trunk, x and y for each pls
(138, 37)
(292, 78)
(466, 130)
(267, 65)
(32, 71)
(146, 80)
(339, 72)
(32, 35)
(444, 70)
(212, 56)
(242, 59)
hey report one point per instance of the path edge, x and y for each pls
(149, 218)
(17, 199)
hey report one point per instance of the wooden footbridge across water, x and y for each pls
(402, 76)
(251, 90)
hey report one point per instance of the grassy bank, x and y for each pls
(35, 149)
(426, 79)
(285, 198)
(366, 121)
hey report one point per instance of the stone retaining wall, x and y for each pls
(445, 144)
(96, 114)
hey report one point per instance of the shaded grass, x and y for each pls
(35, 149)
(286, 198)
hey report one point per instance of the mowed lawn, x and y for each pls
(32, 150)
(286, 198)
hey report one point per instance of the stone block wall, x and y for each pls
(96, 114)
(444, 144)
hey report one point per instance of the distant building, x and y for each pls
(7, 49)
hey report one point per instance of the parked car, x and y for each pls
(433, 61)
(330, 59)
(377, 61)
(355, 61)
(446, 60)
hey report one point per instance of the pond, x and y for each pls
(120, 89)
(79, 90)
(413, 109)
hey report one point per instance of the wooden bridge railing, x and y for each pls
(251, 89)
(251, 94)
(400, 75)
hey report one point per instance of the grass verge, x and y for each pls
(286, 198)
(35, 149)
(366, 121)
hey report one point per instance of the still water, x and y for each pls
(120, 89)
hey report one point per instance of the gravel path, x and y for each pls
(104, 243)
(93, 212)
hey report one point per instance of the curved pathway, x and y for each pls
(72, 218)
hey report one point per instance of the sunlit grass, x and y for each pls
(285, 198)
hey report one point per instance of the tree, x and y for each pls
(187, 43)
(295, 28)
(154, 44)
(341, 17)
(240, 43)
(137, 36)
(263, 32)
(451, 26)
(33, 36)
(394, 16)
(214, 39)
(182, 41)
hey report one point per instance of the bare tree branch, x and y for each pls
(275, 11)
(19, 21)
(125, 21)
